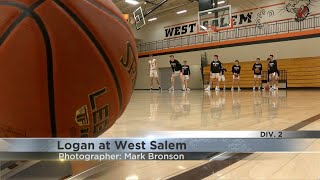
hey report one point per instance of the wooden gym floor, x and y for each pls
(198, 110)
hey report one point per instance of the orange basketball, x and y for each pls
(267, 87)
(68, 67)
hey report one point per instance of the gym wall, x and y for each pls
(247, 14)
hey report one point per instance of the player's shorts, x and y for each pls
(176, 74)
(222, 78)
(257, 76)
(233, 77)
(154, 73)
(214, 75)
(186, 77)
(274, 75)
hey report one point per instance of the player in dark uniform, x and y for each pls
(273, 70)
(215, 71)
(186, 75)
(257, 70)
(176, 71)
(222, 77)
(236, 69)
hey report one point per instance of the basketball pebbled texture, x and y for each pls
(68, 67)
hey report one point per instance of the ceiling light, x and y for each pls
(132, 177)
(134, 2)
(183, 11)
(220, 2)
(152, 19)
(209, 12)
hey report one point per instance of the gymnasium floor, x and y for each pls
(198, 110)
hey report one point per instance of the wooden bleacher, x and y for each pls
(299, 72)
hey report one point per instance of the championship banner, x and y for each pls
(175, 145)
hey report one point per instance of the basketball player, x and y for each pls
(273, 68)
(215, 71)
(236, 69)
(176, 71)
(153, 69)
(186, 75)
(257, 69)
(222, 77)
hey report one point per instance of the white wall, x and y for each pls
(155, 30)
(281, 50)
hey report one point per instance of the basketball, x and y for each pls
(68, 68)
(236, 75)
(267, 87)
(257, 70)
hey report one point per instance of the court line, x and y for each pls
(214, 166)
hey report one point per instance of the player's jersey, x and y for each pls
(223, 70)
(273, 66)
(236, 69)
(153, 64)
(186, 70)
(215, 66)
(257, 66)
(175, 65)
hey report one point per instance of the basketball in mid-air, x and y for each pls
(68, 68)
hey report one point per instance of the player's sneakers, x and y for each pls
(217, 89)
(224, 88)
(171, 89)
(188, 89)
(208, 88)
(239, 89)
(232, 89)
(150, 89)
(259, 88)
(254, 88)
(160, 89)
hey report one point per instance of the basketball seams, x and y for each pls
(13, 25)
(109, 12)
(16, 22)
(47, 42)
(95, 42)
(26, 12)
(36, 4)
(120, 20)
